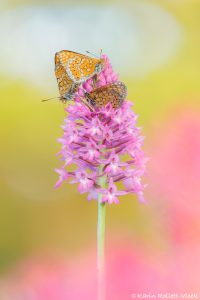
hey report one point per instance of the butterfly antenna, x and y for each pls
(101, 51)
(43, 100)
(92, 54)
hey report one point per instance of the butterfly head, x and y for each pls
(69, 95)
(66, 97)
(100, 66)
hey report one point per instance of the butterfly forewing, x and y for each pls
(79, 67)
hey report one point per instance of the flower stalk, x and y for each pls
(101, 241)
(101, 249)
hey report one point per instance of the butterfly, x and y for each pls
(72, 69)
(113, 93)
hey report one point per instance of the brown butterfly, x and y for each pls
(72, 69)
(113, 93)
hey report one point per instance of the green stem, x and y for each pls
(101, 245)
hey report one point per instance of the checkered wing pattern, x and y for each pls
(79, 67)
(113, 93)
(66, 86)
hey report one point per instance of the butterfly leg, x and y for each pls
(85, 102)
(95, 79)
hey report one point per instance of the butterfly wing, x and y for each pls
(79, 67)
(66, 86)
(113, 93)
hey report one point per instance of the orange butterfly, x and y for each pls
(72, 69)
(113, 93)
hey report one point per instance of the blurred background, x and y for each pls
(48, 236)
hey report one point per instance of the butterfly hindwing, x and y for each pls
(66, 86)
(113, 93)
